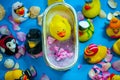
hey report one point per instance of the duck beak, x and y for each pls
(61, 34)
(25, 77)
(32, 44)
(20, 11)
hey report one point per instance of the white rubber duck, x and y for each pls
(19, 12)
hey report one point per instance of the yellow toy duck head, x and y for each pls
(18, 8)
(116, 47)
(113, 29)
(60, 28)
(91, 9)
(16, 75)
(94, 53)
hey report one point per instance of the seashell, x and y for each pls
(1, 57)
(2, 12)
(40, 19)
(102, 14)
(110, 16)
(16, 66)
(116, 13)
(9, 63)
(34, 11)
(112, 4)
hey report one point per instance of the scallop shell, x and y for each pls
(9, 63)
(112, 3)
(102, 14)
(16, 66)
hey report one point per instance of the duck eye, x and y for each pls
(88, 1)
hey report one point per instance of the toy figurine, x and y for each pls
(94, 53)
(18, 74)
(54, 1)
(92, 8)
(9, 46)
(86, 30)
(116, 47)
(113, 29)
(19, 14)
(114, 77)
(33, 42)
(60, 28)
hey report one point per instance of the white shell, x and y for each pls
(116, 13)
(110, 16)
(102, 14)
(16, 66)
(112, 3)
(9, 63)
(1, 57)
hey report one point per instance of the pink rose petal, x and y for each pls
(116, 65)
(44, 77)
(50, 40)
(21, 36)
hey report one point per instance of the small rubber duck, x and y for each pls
(114, 77)
(33, 42)
(94, 53)
(19, 74)
(86, 30)
(116, 47)
(54, 1)
(92, 8)
(60, 28)
(19, 12)
(113, 29)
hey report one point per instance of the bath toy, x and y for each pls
(33, 42)
(114, 77)
(9, 46)
(60, 53)
(116, 47)
(19, 12)
(91, 8)
(60, 28)
(34, 11)
(94, 53)
(54, 1)
(2, 12)
(18, 74)
(113, 29)
(86, 30)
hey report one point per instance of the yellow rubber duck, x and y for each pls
(86, 30)
(114, 77)
(94, 53)
(60, 28)
(54, 1)
(92, 8)
(116, 47)
(18, 74)
(15, 75)
(113, 29)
